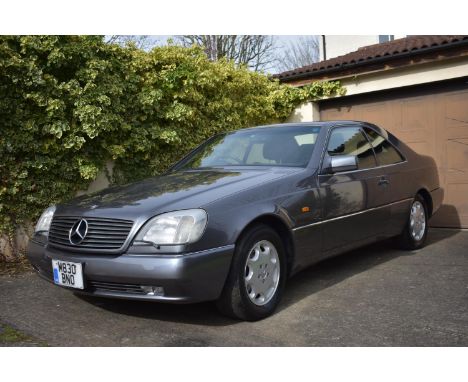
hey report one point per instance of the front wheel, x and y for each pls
(257, 276)
(415, 232)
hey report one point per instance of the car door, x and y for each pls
(390, 176)
(350, 198)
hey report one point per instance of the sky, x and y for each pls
(282, 42)
(282, 38)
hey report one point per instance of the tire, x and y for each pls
(410, 238)
(255, 268)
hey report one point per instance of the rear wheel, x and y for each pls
(415, 232)
(257, 276)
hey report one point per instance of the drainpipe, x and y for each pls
(324, 45)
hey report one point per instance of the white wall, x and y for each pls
(338, 45)
(406, 76)
(307, 112)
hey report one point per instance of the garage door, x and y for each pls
(432, 121)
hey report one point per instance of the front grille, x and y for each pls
(102, 233)
(115, 287)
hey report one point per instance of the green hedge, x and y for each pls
(70, 103)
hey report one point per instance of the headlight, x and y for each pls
(44, 221)
(173, 228)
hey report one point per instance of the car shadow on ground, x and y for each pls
(334, 270)
(309, 281)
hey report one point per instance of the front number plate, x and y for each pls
(68, 274)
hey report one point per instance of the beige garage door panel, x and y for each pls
(431, 124)
(380, 113)
(453, 137)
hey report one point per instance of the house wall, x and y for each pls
(426, 106)
(433, 120)
(407, 76)
(102, 180)
(337, 45)
(307, 112)
(389, 79)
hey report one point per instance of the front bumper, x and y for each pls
(187, 278)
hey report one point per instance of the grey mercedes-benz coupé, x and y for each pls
(239, 215)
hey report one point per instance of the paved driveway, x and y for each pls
(376, 296)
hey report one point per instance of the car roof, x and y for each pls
(312, 124)
(283, 125)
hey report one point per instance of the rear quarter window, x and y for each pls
(384, 151)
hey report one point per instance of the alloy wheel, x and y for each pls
(262, 272)
(417, 220)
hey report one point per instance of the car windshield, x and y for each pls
(278, 146)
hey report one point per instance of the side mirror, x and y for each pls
(342, 163)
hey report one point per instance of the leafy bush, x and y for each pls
(70, 103)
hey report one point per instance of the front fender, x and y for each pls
(226, 224)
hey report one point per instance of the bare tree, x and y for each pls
(301, 52)
(255, 51)
(144, 42)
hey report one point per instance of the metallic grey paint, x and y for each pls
(346, 210)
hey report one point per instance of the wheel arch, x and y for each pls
(426, 195)
(281, 227)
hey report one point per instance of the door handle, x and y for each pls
(383, 181)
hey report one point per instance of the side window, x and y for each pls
(385, 152)
(351, 141)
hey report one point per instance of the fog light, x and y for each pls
(153, 290)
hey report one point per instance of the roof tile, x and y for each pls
(370, 52)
